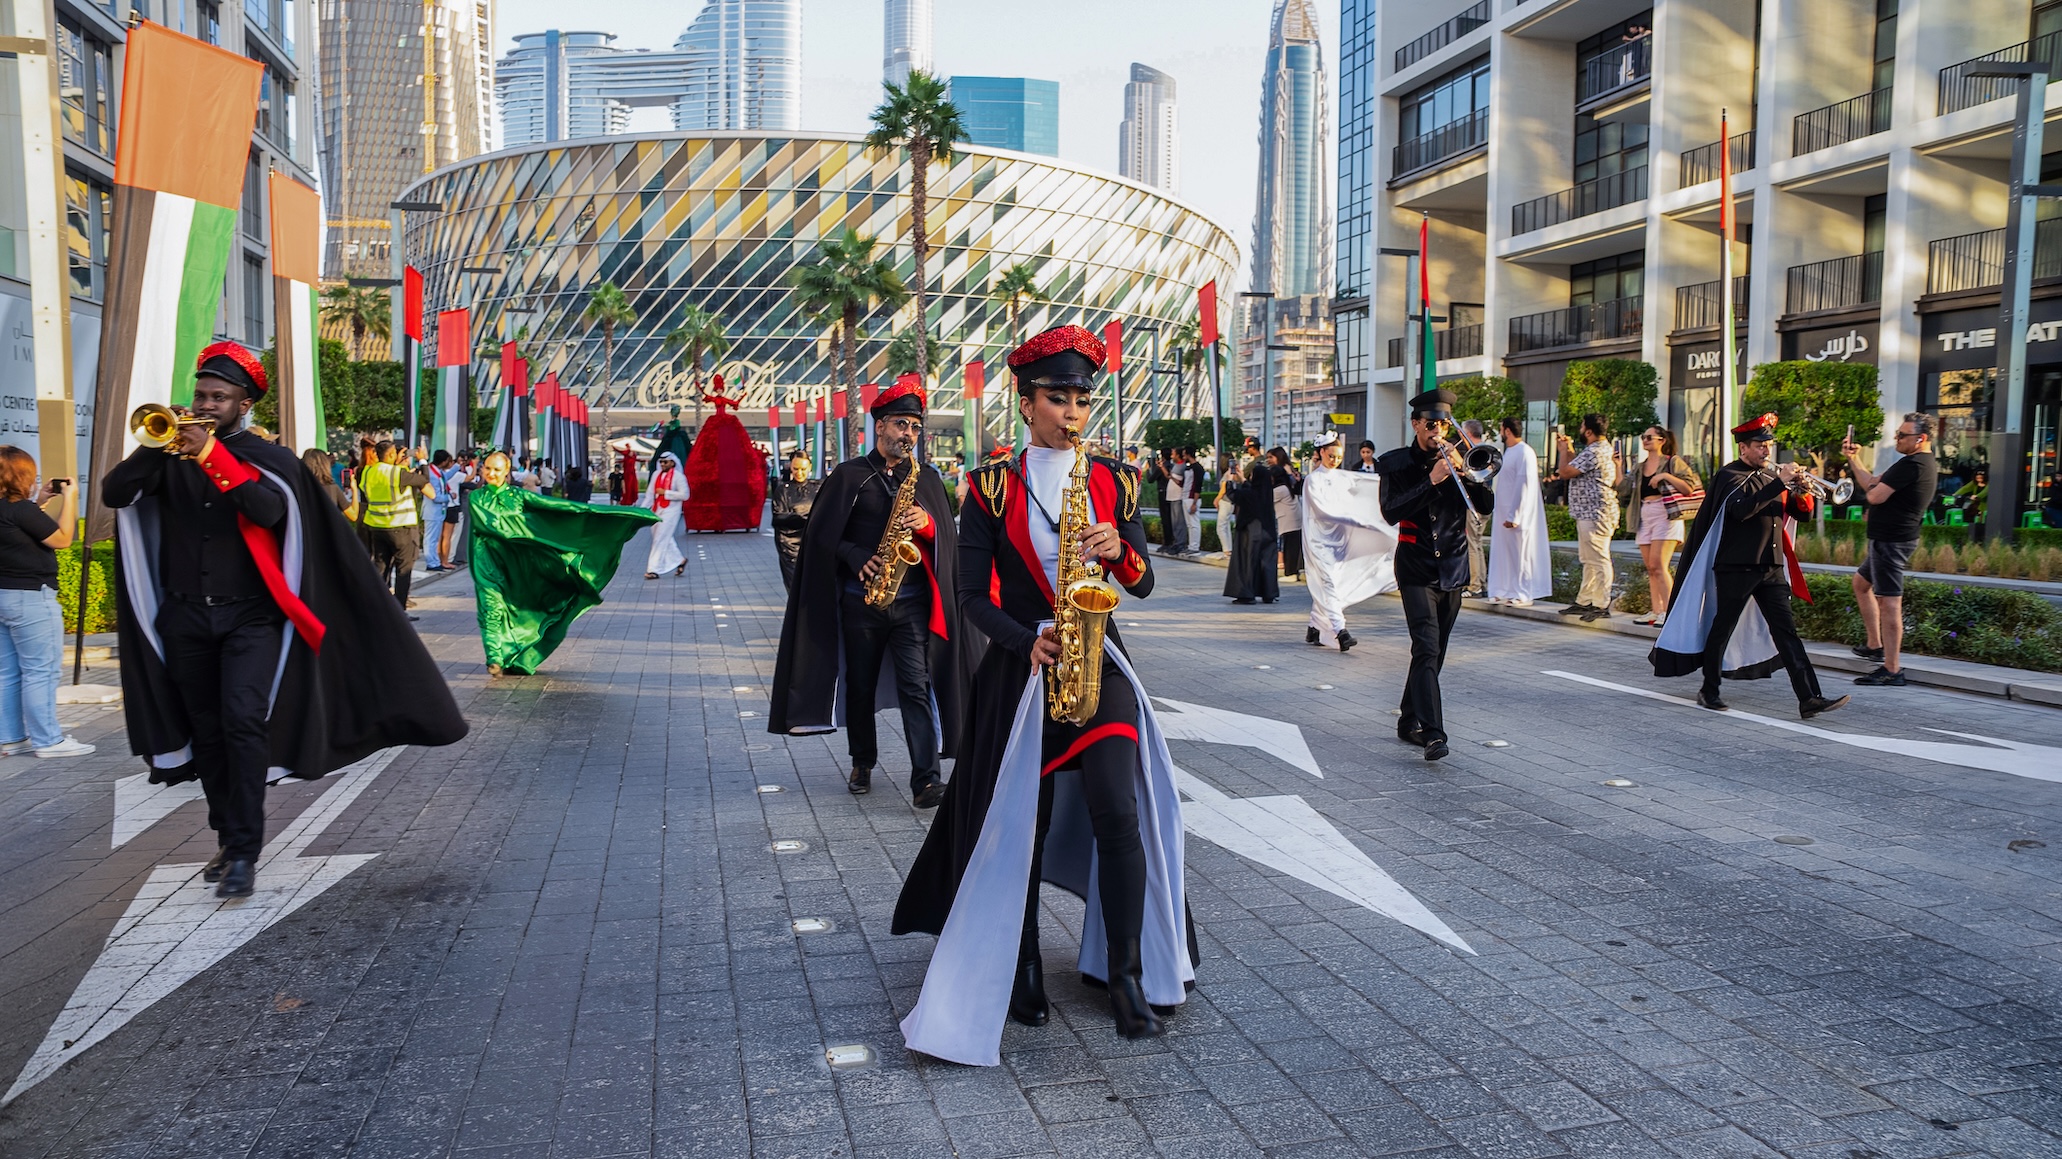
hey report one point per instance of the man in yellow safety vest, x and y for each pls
(392, 527)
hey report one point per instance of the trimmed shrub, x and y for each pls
(100, 606)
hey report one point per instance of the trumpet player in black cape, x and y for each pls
(1088, 805)
(842, 660)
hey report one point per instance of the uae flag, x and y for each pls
(296, 267)
(454, 356)
(188, 109)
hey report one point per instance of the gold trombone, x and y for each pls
(1835, 493)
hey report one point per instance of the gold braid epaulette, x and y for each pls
(991, 482)
(1127, 486)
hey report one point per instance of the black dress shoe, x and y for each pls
(1710, 700)
(930, 795)
(1243, 600)
(1310, 637)
(1410, 736)
(1346, 641)
(860, 783)
(212, 871)
(1868, 653)
(1882, 678)
(1129, 1010)
(238, 879)
(1818, 704)
(1027, 994)
(1267, 599)
(1575, 610)
(1435, 750)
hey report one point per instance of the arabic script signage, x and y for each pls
(1850, 343)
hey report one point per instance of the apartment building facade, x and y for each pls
(1566, 155)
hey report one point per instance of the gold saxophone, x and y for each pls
(896, 551)
(1074, 684)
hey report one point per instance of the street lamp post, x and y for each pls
(2008, 396)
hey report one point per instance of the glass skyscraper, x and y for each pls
(1149, 140)
(747, 73)
(1353, 268)
(559, 86)
(905, 39)
(1008, 112)
(1292, 229)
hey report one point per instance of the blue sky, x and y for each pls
(1213, 48)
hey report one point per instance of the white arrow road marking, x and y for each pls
(175, 927)
(140, 804)
(2019, 759)
(1221, 726)
(1286, 834)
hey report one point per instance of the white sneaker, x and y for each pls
(15, 748)
(68, 747)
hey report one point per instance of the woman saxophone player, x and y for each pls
(1089, 806)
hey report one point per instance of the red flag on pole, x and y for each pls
(772, 418)
(454, 338)
(867, 392)
(510, 362)
(411, 302)
(520, 380)
(820, 408)
(838, 405)
(974, 379)
(801, 411)
(1113, 342)
(1206, 304)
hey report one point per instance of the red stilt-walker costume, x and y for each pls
(726, 478)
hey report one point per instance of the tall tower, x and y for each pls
(1292, 232)
(563, 86)
(1149, 140)
(394, 108)
(748, 68)
(906, 39)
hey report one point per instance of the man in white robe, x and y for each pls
(665, 498)
(1349, 550)
(1520, 566)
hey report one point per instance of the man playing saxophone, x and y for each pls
(1050, 787)
(849, 620)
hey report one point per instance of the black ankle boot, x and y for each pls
(1128, 1006)
(1027, 996)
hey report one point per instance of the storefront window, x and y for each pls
(82, 86)
(1693, 416)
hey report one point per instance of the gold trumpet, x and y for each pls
(156, 425)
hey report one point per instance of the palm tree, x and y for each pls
(917, 116)
(1013, 288)
(903, 353)
(844, 283)
(699, 335)
(608, 307)
(367, 311)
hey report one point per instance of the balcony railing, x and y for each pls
(1835, 283)
(1457, 342)
(1621, 68)
(1581, 201)
(1698, 306)
(1575, 325)
(1449, 140)
(1850, 120)
(1959, 90)
(1701, 163)
(1442, 36)
(1974, 261)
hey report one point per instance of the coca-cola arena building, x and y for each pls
(720, 220)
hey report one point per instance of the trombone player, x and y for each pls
(1429, 492)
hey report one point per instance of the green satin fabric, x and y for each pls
(537, 563)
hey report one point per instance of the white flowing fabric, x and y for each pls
(669, 549)
(1695, 606)
(966, 995)
(1349, 550)
(1520, 565)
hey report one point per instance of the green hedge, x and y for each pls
(1561, 525)
(1986, 625)
(1933, 535)
(100, 611)
(1154, 534)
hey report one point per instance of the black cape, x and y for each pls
(373, 685)
(1717, 493)
(808, 675)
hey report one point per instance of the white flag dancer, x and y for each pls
(1349, 550)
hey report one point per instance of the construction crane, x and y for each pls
(429, 85)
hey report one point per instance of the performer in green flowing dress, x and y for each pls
(537, 563)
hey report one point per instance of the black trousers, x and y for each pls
(1109, 786)
(393, 552)
(901, 632)
(1292, 552)
(223, 658)
(1770, 591)
(1430, 611)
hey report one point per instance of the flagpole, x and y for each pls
(1428, 351)
(1728, 370)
